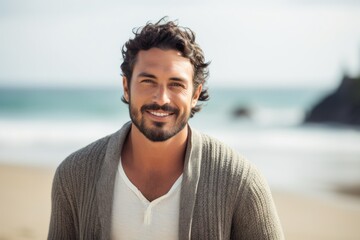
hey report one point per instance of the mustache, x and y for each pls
(156, 107)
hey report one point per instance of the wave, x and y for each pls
(303, 157)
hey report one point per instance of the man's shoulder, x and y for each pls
(222, 162)
(230, 162)
(92, 154)
(217, 147)
(215, 150)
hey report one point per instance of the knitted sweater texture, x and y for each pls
(223, 196)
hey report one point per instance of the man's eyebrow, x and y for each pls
(148, 75)
(177, 79)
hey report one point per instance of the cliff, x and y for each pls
(341, 106)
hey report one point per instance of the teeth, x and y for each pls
(160, 114)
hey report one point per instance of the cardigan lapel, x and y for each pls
(105, 184)
(189, 185)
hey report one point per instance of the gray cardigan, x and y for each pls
(223, 196)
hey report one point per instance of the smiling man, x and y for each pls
(162, 93)
(157, 178)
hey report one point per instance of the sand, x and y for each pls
(25, 202)
(25, 209)
(318, 217)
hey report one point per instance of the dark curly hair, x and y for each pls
(167, 35)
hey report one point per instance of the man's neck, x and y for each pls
(156, 155)
(153, 167)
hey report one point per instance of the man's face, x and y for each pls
(161, 93)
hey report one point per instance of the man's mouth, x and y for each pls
(160, 114)
(159, 111)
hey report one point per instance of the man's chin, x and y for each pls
(157, 135)
(158, 124)
(159, 132)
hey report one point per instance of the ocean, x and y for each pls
(41, 126)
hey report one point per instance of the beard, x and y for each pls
(156, 131)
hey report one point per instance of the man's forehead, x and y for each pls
(156, 53)
(164, 60)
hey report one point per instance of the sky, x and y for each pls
(272, 43)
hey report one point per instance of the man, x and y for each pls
(157, 178)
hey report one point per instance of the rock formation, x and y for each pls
(241, 112)
(341, 106)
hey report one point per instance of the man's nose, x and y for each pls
(161, 96)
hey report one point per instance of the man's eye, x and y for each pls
(147, 81)
(176, 84)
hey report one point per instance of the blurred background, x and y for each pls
(284, 86)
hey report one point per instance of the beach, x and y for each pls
(25, 202)
(313, 170)
(25, 208)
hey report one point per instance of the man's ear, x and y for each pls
(196, 95)
(126, 89)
